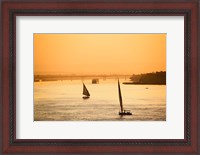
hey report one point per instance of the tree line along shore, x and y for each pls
(157, 78)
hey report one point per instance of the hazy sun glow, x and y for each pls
(99, 53)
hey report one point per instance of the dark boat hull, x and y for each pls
(86, 97)
(125, 113)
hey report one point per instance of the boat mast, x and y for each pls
(120, 97)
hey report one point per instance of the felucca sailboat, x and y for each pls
(85, 92)
(123, 111)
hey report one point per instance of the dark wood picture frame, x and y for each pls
(187, 8)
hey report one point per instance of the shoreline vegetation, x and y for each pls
(154, 78)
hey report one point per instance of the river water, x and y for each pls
(62, 101)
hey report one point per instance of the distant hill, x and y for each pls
(148, 78)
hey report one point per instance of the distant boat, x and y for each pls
(85, 92)
(95, 81)
(122, 112)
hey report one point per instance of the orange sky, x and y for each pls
(99, 53)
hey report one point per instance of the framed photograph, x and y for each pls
(99, 77)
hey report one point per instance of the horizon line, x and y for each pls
(73, 74)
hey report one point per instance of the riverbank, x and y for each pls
(138, 83)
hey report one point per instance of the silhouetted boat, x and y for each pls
(85, 92)
(95, 81)
(122, 112)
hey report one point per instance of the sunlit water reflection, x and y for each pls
(62, 101)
